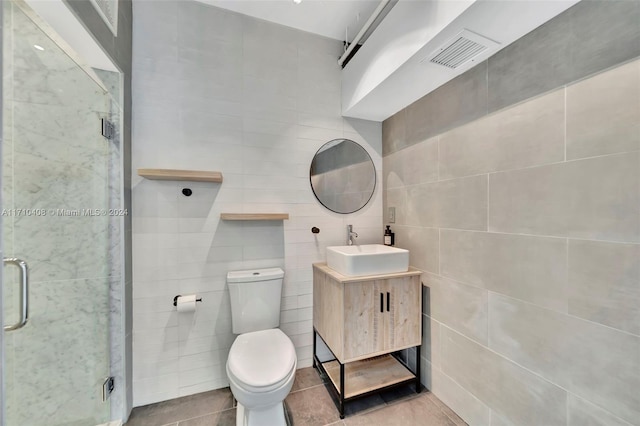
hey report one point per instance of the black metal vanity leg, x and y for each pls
(341, 390)
(314, 348)
(418, 363)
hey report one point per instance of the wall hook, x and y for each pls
(315, 230)
(187, 192)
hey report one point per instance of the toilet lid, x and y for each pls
(261, 358)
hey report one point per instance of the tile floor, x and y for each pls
(308, 404)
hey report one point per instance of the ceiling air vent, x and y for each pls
(462, 48)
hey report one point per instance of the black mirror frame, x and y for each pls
(375, 179)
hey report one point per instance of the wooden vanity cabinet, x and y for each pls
(363, 317)
(403, 321)
(380, 316)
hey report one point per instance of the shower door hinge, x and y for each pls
(107, 388)
(108, 129)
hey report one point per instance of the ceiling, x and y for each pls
(393, 68)
(329, 18)
(68, 31)
(374, 82)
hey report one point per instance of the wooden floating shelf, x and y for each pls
(367, 375)
(190, 175)
(254, 216)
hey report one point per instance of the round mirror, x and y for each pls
(342, 176)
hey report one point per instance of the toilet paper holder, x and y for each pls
(175, 300)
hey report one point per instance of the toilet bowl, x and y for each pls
(261, 370)
(262, 360)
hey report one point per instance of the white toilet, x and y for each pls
(262, 360)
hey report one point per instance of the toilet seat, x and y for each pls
(261, 361)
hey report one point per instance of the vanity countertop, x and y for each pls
(344, 279)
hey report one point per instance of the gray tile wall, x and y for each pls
(524, 212)
(587, 38)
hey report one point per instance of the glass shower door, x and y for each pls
(54, 217)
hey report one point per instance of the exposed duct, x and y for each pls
(376, 17)
(108, 10)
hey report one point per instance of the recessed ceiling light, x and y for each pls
(37, 46)
(297, 1)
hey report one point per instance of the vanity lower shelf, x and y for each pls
(361, 377)
(357, 379)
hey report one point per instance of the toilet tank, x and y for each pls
(255, 299)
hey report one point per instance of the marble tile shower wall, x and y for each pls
(527, 224)
(53, 158)
(214, 90)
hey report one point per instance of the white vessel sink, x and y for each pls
(368, 259)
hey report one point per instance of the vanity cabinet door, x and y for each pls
(403, 309)
(363, 320)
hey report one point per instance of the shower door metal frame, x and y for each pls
(2, 389)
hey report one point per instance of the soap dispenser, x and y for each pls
(389, 237)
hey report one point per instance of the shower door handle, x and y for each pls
(24, 293)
